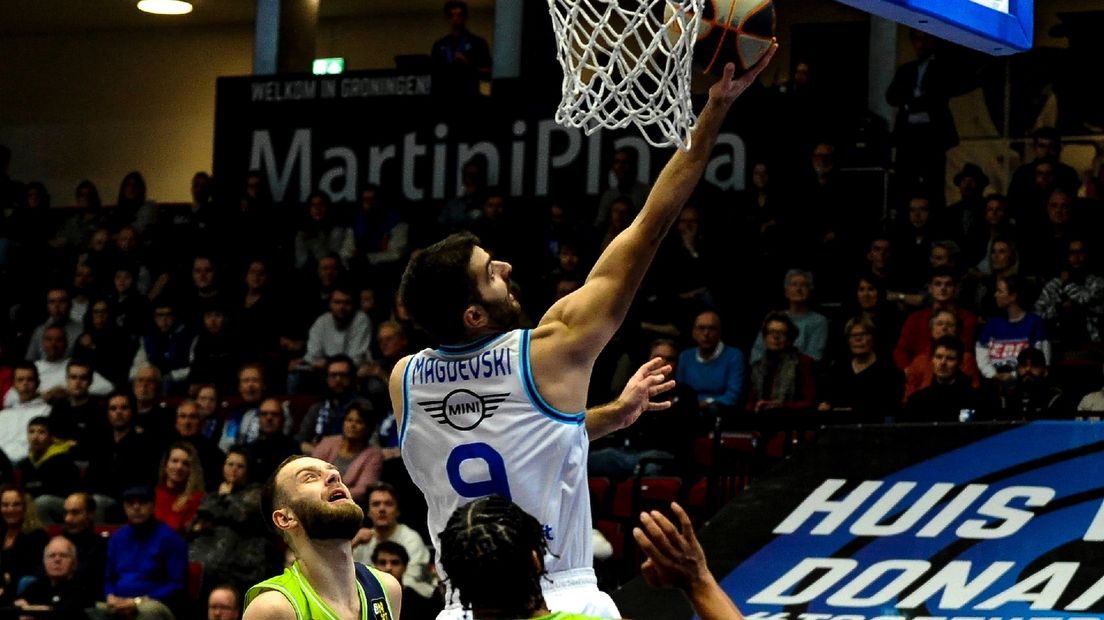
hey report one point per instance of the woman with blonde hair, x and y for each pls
(180, 486)
(24, 539)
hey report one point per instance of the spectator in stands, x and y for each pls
(924, 128)
(128, 254)
(713, 370)
(1093, 402)
(1033, 181)
(53, 369)
(180, 487)
(919, 372)
(76, 415)
(259, 315)
(866, 386)
(48, 473)
(1046, 247)
(944, 254)
(23, 536)
(224, 535)
(1072, 304)
(217, 350)
(392, 558)
(129, 305)
(167, 347)
(320, 235)
(871, 303)
(21, 404)
(621, 215)
(203, 293)
(327, 417)
(995, 224)
(80, 290)
(383, 510)
(1006, 335)
(915, 334)
(77, 228)
(189, 427)
(242, 424)
(624, 181)
(978, 288)
(359, 463)
(879, 264)
(381, 234)
(132, 208)
(1033, 396)
(461, 210)
(661, 440)
(200, 225)
(272, 445)
(913, 243)
(812, 326)
(123, 457)
(374, 376)
(59, 592)
(80, 513)
(147, 563)
(343, 330)
(210, 411)
(105, 344)
(460, 60)
(224, 603)
(956, 219)
(149, 413)
(950, 397)
(58, 309)
(783, 379)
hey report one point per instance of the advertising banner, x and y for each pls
(948, 522)
(338, 132)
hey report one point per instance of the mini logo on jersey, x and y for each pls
(463, 409)
(379, 609)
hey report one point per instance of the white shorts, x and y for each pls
(574, 591)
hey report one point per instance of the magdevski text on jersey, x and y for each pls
(490, 363)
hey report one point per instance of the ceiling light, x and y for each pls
(165, 7)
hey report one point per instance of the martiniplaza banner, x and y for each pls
(942, 522)
(337, 133)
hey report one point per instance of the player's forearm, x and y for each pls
(710, 602)
(603, 419)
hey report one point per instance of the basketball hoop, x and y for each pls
(627, 62)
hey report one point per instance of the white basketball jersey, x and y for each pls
(474, 425)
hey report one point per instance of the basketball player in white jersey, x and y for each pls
(501, 411)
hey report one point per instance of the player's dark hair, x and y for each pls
(487, 550)
(438, 287)
(392, 547)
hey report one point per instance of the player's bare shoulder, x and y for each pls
(395, 387)
(269, 605)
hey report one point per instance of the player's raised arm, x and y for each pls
(582, 323)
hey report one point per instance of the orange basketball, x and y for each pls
(736, 31)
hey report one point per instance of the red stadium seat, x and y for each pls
(599, 496)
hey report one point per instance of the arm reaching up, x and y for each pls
(675, 559)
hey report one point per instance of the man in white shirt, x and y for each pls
(58, 308)
(344, 329)
(21, 404)
(383, 510)
(53, 367)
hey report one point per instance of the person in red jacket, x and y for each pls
(916, 334)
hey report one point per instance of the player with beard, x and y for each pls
(498, 410)
(314, 512)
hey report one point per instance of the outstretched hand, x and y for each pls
(648, 381)
(726, 90)
(674, 555)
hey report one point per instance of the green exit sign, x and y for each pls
(327, 66)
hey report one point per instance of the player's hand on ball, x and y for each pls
(727, 89)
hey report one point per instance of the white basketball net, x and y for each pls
(627, 62)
